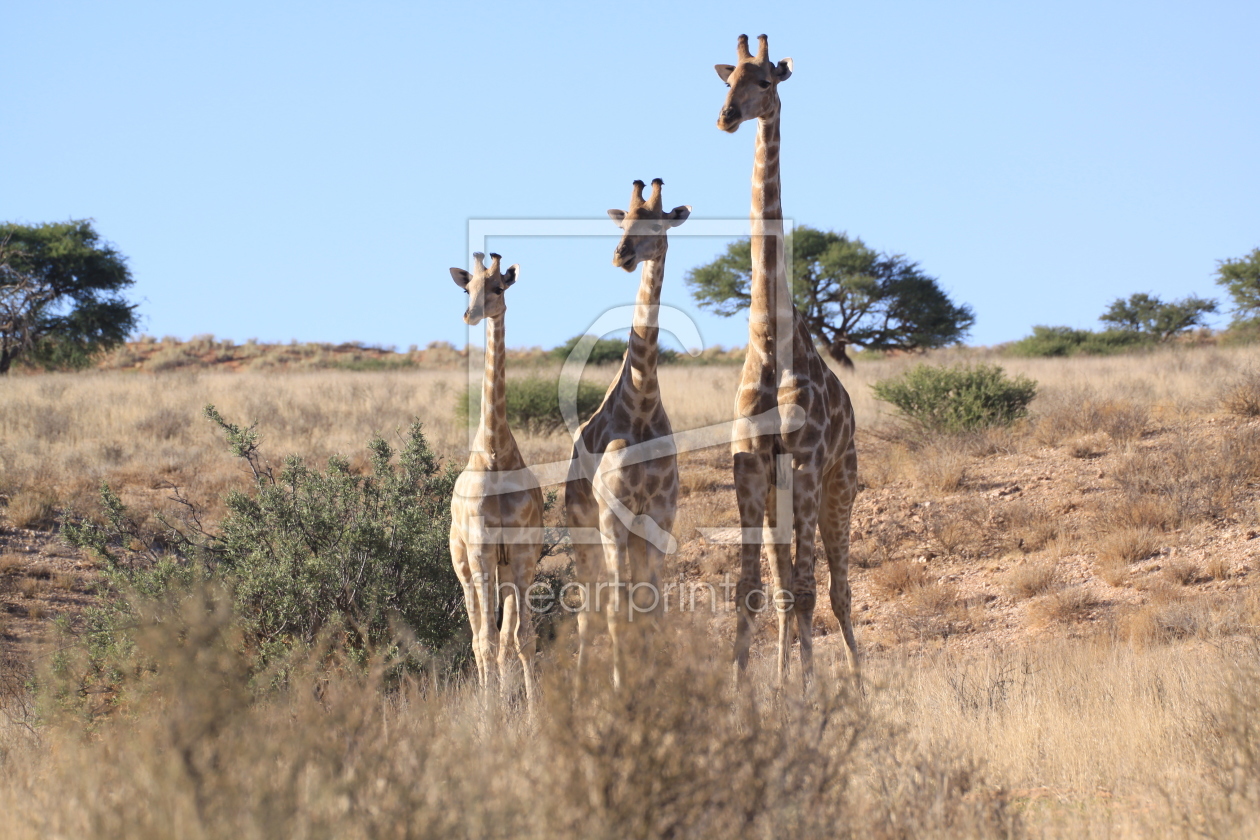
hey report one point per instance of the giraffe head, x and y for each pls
(644, 226)
(484, 287)
(754, 84)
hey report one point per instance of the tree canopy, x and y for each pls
(1143, 313)
(60, 298)
(1241, 278)
(847, 293)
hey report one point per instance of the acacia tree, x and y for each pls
(1241, 278)
(59, 294)
(1151, 316)
(847, 293)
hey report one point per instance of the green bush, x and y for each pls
(1066, 341)
(307, 553)
(533, 404)
(959, 398)
(606, 351)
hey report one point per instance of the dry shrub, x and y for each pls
(1066, 605)
(1241, 395)
(958, 529)
(1127, 545)
(1087, 446)
(1164, 618)
(1218, 567)
(1114, 572)
(1141, 511)
(32, 509)
(941, 467)
(934, 609)
(1192, 479)
(1229, 729)
(1029, 579)
(882, 465)
(1026, 526)
(1180, 571)
(165, 424)
(881, 544)
(954, 535)
(1123, 421)
(897, 577)
(1076, 413)
(12, 563)
(340, 750)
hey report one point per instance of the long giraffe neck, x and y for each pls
(494, 439)
(771, 304)
(644, 352)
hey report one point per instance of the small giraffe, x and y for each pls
(497, 509)
(811, 449)
(630, 499)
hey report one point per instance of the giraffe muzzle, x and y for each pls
(729, 118)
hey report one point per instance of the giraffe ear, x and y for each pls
(462, 278)
(511, 275)
(678, 215)
(724, 71)
(618, 216)
(783, 70)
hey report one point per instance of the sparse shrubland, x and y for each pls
(1057, 616)
(353, 559)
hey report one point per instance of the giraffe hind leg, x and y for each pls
(839, 491)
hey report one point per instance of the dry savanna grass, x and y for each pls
(1031, 578)
(1007, 692)
(1065, 605)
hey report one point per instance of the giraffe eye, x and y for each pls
(465, 291)
(497, 291)
(656, 228)
(728, 84)
(764, 84)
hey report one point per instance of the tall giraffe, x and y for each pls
(497, 508)
(809, 447)
(612, 486)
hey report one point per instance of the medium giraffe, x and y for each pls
(612, 486)
(809, 448)
(497, 508)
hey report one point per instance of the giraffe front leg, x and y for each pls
(610, 594)
(463, 571)
(777, 537)
(582, 519)
(518, 624)
(805, 502)
(483, 583)
(751, 482)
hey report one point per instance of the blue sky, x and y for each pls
(309, 170)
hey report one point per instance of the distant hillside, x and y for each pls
(207, 352)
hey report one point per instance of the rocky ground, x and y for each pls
(1145, 533)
